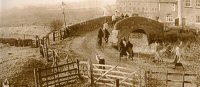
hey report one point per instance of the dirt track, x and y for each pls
(86, 48)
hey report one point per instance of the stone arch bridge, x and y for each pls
(153, 29)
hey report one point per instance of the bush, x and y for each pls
(56, 25)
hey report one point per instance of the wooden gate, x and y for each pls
(109, 75)
(171, 79)
(57, 75)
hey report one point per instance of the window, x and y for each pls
(173, 7)
(198, 3)
(134, 9)
(169, 18)
(188, 3)
(143, 9)
(197, 19)
(152, 9)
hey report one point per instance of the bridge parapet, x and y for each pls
(90, 25)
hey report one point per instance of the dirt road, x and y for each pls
(85, 47)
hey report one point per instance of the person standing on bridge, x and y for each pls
(100, 36)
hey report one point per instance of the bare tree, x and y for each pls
(56, 25)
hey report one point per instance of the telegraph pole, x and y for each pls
(180, 12)
(63, 8)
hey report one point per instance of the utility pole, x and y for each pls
(180, 12)
(63, 8)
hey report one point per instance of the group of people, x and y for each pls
(126, 48)
(176, 51)
(118, 16)
(103, 33)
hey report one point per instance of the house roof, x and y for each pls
(168, 1)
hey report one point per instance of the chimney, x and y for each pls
(180, 12)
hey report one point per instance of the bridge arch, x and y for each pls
(153, 29)
(139, 31)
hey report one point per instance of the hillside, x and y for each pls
(42, 16)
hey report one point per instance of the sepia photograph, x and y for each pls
(99, 43)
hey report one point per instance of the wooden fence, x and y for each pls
(20, 42)
(109, 75)
(171, 79)
(48, 40)
(57, 75)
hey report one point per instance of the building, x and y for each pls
(191, 12)
(166, 11)
(145, 8)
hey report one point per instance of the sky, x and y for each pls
(7, 4)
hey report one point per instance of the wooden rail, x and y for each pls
(20, 42)
(167, 79)
(108, 76)
(57, 75)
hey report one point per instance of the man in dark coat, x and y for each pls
(129, 48)
(100, 36)
(106, 35)
(122, 48)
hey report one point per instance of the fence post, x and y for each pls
(54, 76)
(117, 82)
(65, 36)
(36, 41)
(46, 77)
(60, 34)
(197, 78)
(148, 76)
(167, 79)
(54, 36)
(48, 41)
(79, 76)
(140, 83)
(44, 53)
(39, 77)
(35, 77)
(57, 72)
(47, 54)
(67, 67)
(91, 72)
(183, 78)
(145, 78)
